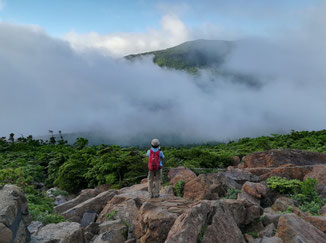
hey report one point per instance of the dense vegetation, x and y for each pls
(30, 162)
(304, 192)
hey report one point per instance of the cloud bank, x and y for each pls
(172, 32)
(47, 84)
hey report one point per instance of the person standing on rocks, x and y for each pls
(155, 157)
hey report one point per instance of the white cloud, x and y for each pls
(173, 32)
(45, 84)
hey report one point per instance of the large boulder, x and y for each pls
(244, 212)
(278, 157)
(237, 209)
(125, 206)
(222, 228)
(221, 183)
(208, 221)
(256, 190)
(154, 223)
(289, 171)
(198, 189)
(134, 188)
(189, 224)
(66, 232)
(269, 218)
(82, 197)
(253, 192)
(318, 221)
(113, 231)
(283, 204)
(292, 228)
(180, 173)
(241, 176)
(209, 186)
(92, 205)
(14, 215)
(113, 236)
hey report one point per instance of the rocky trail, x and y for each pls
(203, 214)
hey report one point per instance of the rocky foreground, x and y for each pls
(202, 215)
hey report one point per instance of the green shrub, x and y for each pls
(111, 215)
(308, 189)
(312, 207)
(202, 233)
(304, 192)
(288, 210)
(41, 208)
(283, 185)
(232, 193)
(179, 187)
(12, 176)
(72, 174)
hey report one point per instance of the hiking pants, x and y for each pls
(158, 175)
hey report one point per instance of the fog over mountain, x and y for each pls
(46, 84)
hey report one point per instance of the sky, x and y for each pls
(127, 26)
(61, 69)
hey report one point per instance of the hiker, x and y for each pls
(155, 156)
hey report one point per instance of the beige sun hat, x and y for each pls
(155, 143)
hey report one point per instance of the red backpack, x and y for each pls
(154, 160)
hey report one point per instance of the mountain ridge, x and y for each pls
(190, 55)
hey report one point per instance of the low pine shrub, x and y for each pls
(283, 186)
(232, 193)
(179, 187)
(304, 192)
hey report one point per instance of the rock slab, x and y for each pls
(292, 228)
(14, 215)
(66, 232)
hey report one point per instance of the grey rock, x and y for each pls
(65, 232)
(88, 218)
(222, 228)
(241, 176)
(283, 203)
(269, 231)
(60, 199)
(49, 192)
(189, 224)
(270, 218)
(292, 228)
(271, 240)
(14, 216)
(116, 235)
(93, 228)
(82, 197)
(34, 226)
(111, 225)
(95, 204)
(5, 233)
